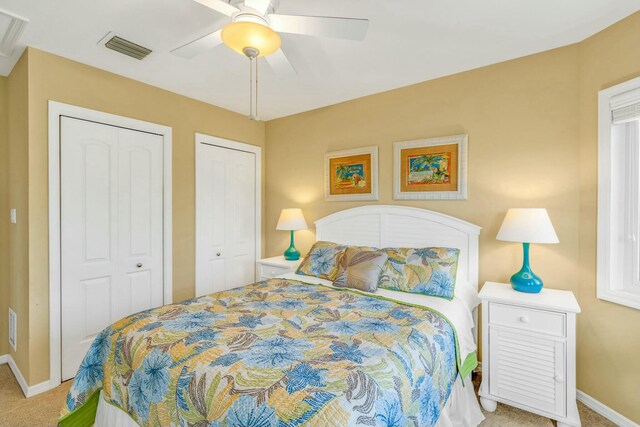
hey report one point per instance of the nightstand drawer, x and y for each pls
(269, 271)
(530, 319)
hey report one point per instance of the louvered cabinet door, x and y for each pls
(528, 369)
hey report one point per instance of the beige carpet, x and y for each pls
(39, 411)
(42, 410)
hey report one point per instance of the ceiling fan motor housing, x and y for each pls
(249, 16)
(240, 4)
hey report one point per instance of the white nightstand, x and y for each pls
(529, 351)
(275, 266)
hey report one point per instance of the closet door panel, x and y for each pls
(89, 235)
(140, 164)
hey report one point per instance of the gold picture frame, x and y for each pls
(352, 174)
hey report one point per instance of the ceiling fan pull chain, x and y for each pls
(251, 88)
(256, 88)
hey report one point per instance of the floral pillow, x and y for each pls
(322, 260)
(428, 271)
(360, 269)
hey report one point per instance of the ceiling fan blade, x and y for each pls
(341, 28)
(280, 64)
(198, 46)
(219, 6)
(260, 5)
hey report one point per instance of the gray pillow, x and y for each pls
(360, 269)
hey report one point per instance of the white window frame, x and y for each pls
(610, 283)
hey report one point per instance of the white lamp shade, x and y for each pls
(527, 226)
(291, 219)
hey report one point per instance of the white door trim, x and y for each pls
(56, 110)
(235, 145)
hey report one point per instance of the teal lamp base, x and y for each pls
(291, 254)
(525, 280)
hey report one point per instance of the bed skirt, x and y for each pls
(461, 410)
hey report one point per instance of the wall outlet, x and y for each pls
(14, 217)
(13, 329)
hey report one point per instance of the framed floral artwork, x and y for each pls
(430, 169)
(351, 174)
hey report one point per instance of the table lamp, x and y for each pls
(291, 220)
(527, 226)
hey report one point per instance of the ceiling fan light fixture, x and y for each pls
(240, 35)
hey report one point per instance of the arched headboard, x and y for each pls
(400, 226)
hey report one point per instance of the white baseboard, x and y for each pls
(602, 409)
(27, 390)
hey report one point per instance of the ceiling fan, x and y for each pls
(253, 31)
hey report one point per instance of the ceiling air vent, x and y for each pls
(125, 47)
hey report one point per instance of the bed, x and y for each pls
(294, 350)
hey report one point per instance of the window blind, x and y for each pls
(625, 107)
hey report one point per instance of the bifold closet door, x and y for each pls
(111, 193)
(225, 218)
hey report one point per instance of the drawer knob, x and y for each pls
(524, 319)
(559, 378)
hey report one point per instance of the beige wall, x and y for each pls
(18, 128)
(608, 336)
(4, 207)
(521, 120)
(532, 143)
(55, 78)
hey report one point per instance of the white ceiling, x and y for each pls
(409, 41)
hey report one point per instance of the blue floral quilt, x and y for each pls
(275, 353)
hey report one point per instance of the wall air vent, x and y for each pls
(125, 47)
(11, 28)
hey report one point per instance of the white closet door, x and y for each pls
(225, 218)
(111, 222)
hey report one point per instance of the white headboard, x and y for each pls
(385, 226)
(400, 226)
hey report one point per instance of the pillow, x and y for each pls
(360, 269)
(322, 260)
(428, 271)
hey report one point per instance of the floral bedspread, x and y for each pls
(275, 353)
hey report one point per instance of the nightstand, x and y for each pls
(276, 266)
(529, 351)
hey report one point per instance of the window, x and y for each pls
(619, 194)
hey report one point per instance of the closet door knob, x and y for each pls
(139, 265)
(217, 253)
(524, 319)
(559, 378)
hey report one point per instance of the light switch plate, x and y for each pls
(13, 216)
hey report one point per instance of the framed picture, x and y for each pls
(430, 169)
(351, 174)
